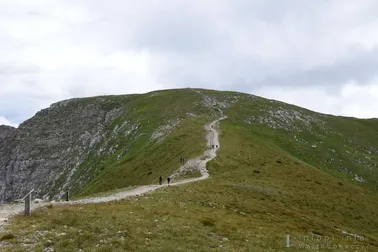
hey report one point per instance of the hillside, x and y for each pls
(69, 144)
(282, 170)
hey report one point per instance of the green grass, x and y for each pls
(236, 208)
(264, 184)
(344, 146)
(104, 194)
(160, 159)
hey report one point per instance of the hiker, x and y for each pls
(160, 180)
(183, 160)
(168, 180)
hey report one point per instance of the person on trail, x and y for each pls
(168, 180)
(160, 180)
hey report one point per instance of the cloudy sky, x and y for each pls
(322, 55)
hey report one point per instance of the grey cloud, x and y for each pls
(35, 13)
(361, 68)
(140, 46)
(16, 70)
(179, 32)
(17, 109)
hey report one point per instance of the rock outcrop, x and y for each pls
(45, 152)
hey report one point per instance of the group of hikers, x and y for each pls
(182, 160)
(161, 180)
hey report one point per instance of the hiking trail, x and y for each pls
(199, 163)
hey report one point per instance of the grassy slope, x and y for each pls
(160, 159)
(259, 191)
(146, 160)
(344, 146)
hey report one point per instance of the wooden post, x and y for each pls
(68, 195)
(288, 245)
(28, 205)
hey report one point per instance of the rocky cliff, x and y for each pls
(45, 152)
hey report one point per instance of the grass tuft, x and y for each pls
(8, 236)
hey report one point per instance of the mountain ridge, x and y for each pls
(71, 143)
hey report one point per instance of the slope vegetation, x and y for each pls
(282, 171)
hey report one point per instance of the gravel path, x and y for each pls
(199, 163)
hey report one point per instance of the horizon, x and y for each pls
(319, 55)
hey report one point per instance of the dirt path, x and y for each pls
(199, 163)
(9, 210)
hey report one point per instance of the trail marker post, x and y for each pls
(27, 199)
(68, 195)
(28, 204)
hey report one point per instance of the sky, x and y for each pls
(321, 55)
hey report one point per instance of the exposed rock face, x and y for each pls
(44, 153)
(7, 144)
(164, 130)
